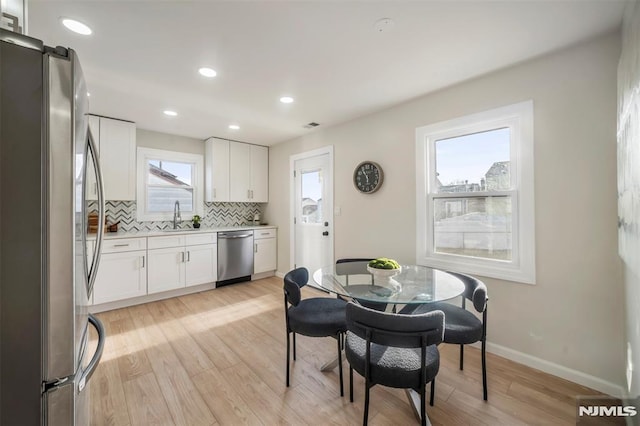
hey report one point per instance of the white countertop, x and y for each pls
(135, 234)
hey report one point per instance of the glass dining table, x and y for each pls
(412, 285)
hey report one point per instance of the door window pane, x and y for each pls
(311, 186)
(474, 162)
(474, 226)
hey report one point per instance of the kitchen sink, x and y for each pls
(180, 230)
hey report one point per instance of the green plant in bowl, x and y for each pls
(384, 263)
(196, 221)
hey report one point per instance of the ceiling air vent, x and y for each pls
(311, 125)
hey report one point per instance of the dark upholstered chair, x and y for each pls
(461, 326)
(314, 317)
(393, 350)
(349, 267)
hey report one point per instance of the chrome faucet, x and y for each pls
(176, 214)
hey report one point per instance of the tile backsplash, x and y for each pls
(215, 215)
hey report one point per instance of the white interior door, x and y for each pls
(312, 201)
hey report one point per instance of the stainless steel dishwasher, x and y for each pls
(235, 256)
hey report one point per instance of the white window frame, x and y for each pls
(146, 154)
(519, 119)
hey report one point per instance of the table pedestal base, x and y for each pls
(329, 365)
(414, 402)
(412, 396)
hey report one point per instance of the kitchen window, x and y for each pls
(165, 177)
(475, 200)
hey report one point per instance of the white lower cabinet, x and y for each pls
(140, 266)
(166, 269)
(122, 273)
(202, 264)
(182, 260)
(264, 251)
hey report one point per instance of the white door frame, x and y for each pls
(292, 199)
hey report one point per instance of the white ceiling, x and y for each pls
(143, 57)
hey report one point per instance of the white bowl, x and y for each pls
(383, 272)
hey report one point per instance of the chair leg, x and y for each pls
(340, 364)
(484, 368)
(294, 346)
(288, 356)
(461, 353)
(366, 404)
(433, 392)
(350, 384)
(423, 397)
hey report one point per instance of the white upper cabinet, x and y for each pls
(117, 146)
(240, 172)
(236, 171)
(216, 170)
(118, 158)
(249, 173)
(259, 174)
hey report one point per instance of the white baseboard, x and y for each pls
(280, 274)
(572, 375)
(109, 306)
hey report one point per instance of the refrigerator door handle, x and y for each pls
(93, 364)
(93, 270)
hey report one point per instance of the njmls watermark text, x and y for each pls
(606, 410)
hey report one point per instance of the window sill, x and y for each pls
(500, 270)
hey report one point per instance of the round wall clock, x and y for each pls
(368, 177)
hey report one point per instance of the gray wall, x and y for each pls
(157, 140)
(629, 186)
(572, 319)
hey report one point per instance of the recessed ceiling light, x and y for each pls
(286, 99)
(88, 95)
(208, 72)
(234, 127)
(76, 26)
(170, 113)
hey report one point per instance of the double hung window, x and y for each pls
(475, 209)
(164, 178)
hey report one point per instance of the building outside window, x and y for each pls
(475, 194)
(165, 177)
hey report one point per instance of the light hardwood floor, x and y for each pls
(218, 357)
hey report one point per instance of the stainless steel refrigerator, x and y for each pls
(45, 275)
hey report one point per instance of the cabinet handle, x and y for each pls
(121, 245)
(182, 253)
(188, 256)
(143, 261)
(255, 248)
(248, 193)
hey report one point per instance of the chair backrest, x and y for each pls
(293, 282)
(475, 291)
(398, 330)
(349, 267)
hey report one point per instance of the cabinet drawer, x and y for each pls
(123, 244)
(264, 233)
(198, 239)
(165, 242)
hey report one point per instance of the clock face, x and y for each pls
(368, 177)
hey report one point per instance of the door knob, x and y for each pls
(325, 233)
